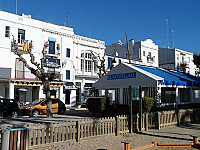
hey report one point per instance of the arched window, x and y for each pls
(86, 62)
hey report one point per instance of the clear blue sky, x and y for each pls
(111, 19)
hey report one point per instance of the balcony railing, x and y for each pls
(185, 62)
(150, 59)
(27, 75)
(80, 73)
(24, 75)
(20, 45)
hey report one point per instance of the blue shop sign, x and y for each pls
(52, 63)
(121, 76)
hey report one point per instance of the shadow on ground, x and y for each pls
(70, 115)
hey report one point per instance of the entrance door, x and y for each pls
(78, 92)
(35, 93)
(67, 96)
(22, 96)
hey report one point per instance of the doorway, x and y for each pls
(67, 96)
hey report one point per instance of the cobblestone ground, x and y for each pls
(171, 134)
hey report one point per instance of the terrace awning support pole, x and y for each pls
(130, 110)
(140, 107)
(177, 109)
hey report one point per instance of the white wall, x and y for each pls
(182, 56)
(149, 46)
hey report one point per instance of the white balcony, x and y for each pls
(20, 46)
(82, 74)
(150, 59)
(26, 75)
(185, 62)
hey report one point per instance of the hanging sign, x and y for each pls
(52, 63)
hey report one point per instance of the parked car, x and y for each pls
(9, 107)
(40, 107)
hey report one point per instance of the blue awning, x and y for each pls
(169, 78)
(195, 80)
(69, 86)
(69, 83)
(88, 85)
(51, 39)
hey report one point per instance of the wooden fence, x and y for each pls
(42, 135)
(167, 118)
(96, 127)
(162, 119)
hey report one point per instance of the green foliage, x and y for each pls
(147, 103)
(96, 104)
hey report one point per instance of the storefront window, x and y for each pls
(168, 95)
(184, 94)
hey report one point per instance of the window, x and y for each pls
(188, 59)
(21, 35)
(89, 56)
(67, 74)
(143, 53)
(68, 52)
(149, 54)
(177, 56)
(168, 95)
(51, 47)
(88, 66)
(182, 59)
(86, 62)
(82, 65)
(7, 32)
(109, 62)
(120, 61)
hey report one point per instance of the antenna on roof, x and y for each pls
(167, 33)
(16, 7)
(67, 18)
(172, 38)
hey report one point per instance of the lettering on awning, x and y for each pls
(121, 76)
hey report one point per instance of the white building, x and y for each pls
(75, 65)
(142, 52)
(177, 59)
